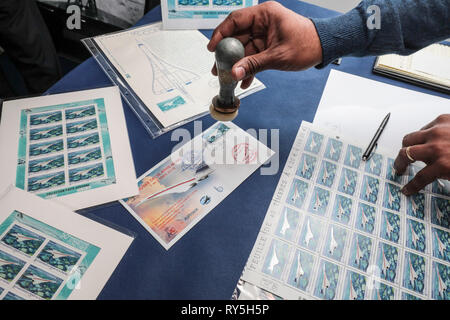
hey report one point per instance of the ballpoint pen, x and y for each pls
(376, 137)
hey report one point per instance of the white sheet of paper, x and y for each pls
(354, 106)
(73, 147)
(170, 71)
(65, 255)
(336, 224)
(183, 188)
(199, 14)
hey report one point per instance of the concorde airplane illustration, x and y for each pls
(317, 203)
(300, 272)
(442, 286)
(286, 224)
(364, 218)
(341, 211)
(309, 235)
(23, 238)
(414, 236)
(359, 253)
(58, 254)
(353, 294)
(346, 182)
(352, 157)
(167, 77)
(181, 186)
(325, 175)
(38, 280)
(412, 274)
(296, 195)
(305, 168)
(273, 261)
(325, 281)
(5, 263)
(385, 263)
(369, 190)
(389, 227)
(333, 244)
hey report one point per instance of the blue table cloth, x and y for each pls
(207, 262)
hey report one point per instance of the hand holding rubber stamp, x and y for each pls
(225, 106)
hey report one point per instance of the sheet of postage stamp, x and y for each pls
(344, 230)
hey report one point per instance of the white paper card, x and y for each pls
(72, 147)
(48, 252)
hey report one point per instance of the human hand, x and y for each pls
(274, 37)
(431, 145)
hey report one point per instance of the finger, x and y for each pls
(246, 83)
(251, 65)
(418, 137)
(420, 152)
(214, 70)
(423, 178)
(431, 124)
(236, 22)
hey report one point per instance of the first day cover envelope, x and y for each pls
(72, 147)
(48, 252)
(179, 191)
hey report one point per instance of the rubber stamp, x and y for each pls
(225, 106)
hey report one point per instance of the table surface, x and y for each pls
(208, 261)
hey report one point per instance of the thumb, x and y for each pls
(251, 65)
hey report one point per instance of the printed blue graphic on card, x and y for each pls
(310, 233)
(342, 209)
(46, 181)
(46, 133)
(374, 164)
(416, 235)
(86, 173)
(12, 297)
(392, 197)
(83, 141)
(387, 261)
(391, 174)
(440, 286)
(45, 118)
(354, 286)
(39, 282)
(441, 244)
(353, 156)
(381, 291)
(276, 259)
(327, 280)
(333, 150)
(335, 243)
(414, 272)
(348, 181)
(45, 164)
(10, 266)
(23, 240)
(45, 148)
(85, 156)
(297, 193)
(390, 226)
(415, 206)
(365, 218)
(314, 142)
(441, 187)
(327, 173)
(287, 224)
(369, 189)
(302, 270)
(440, 212)
(59, 257)
(80, 113)
(319, 201)
(307, 166)
(82, 126)
(360, 252)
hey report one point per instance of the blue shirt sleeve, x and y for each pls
(403, 27)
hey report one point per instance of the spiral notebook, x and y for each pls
(429, 67)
